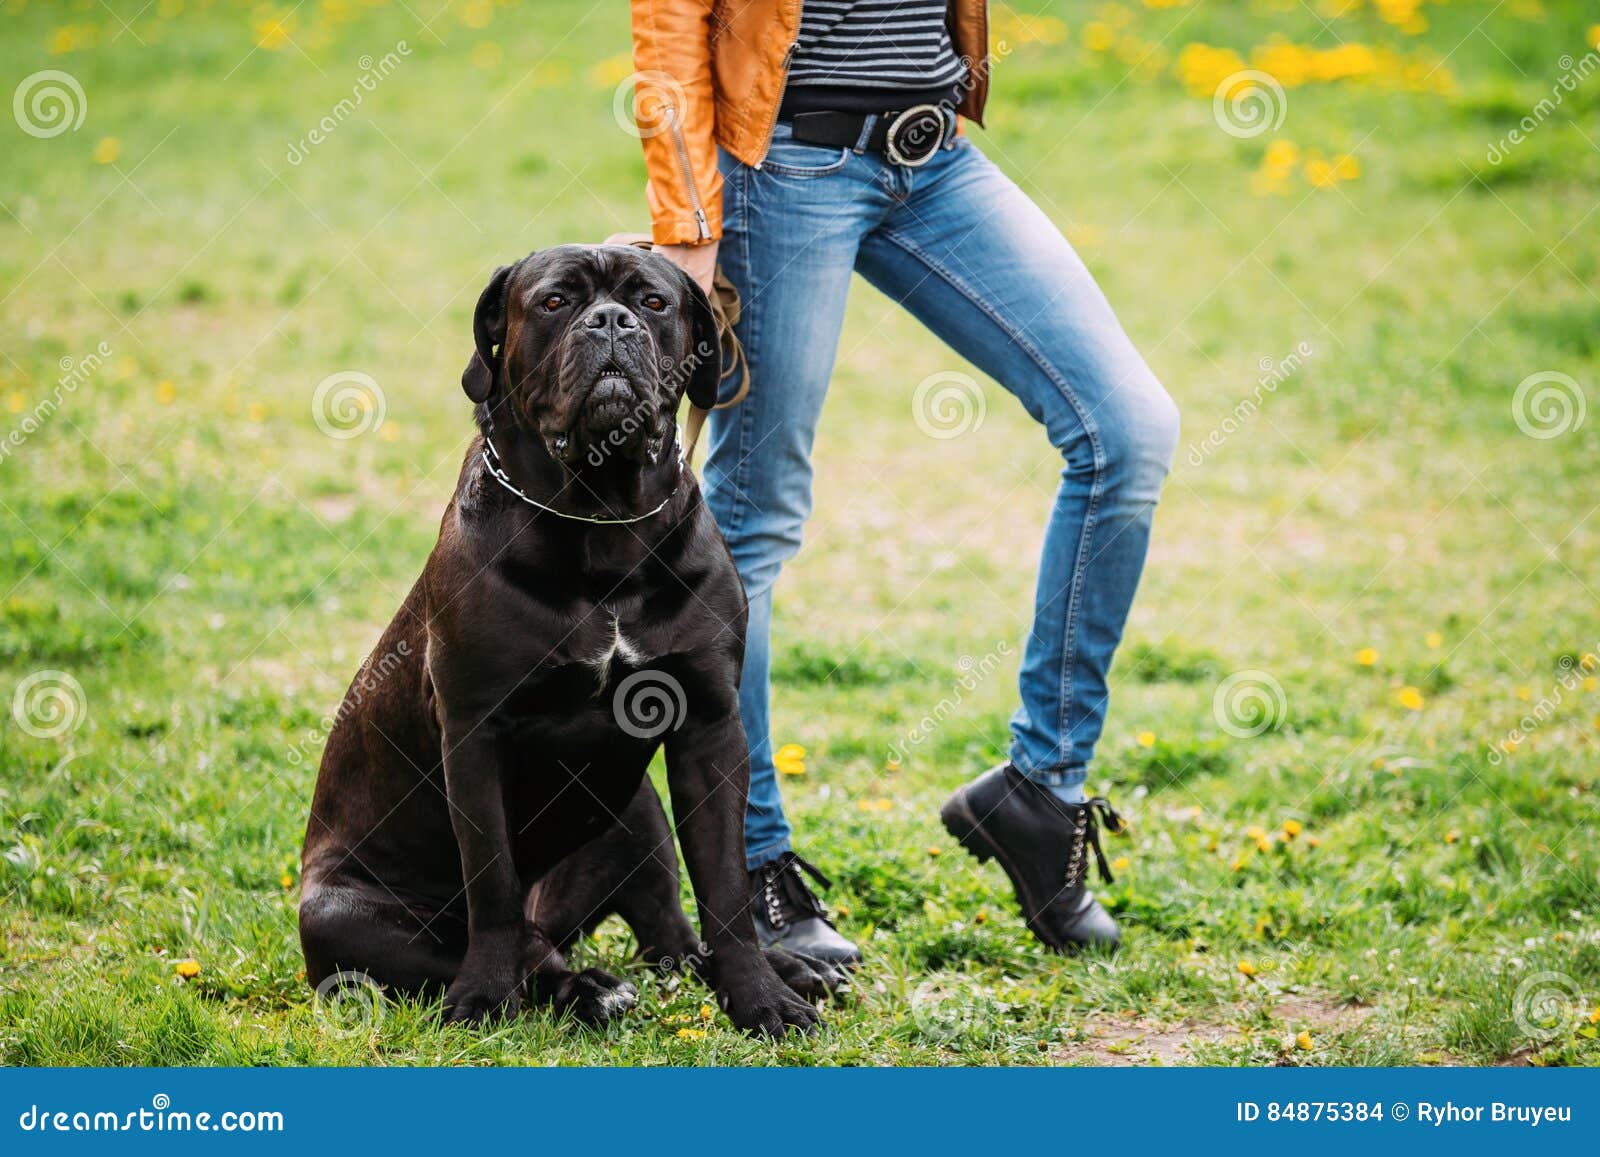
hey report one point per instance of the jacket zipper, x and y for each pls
(700, 221)
(783, 83)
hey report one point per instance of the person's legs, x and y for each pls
(970, 255)
(790, 234)
(985, 269)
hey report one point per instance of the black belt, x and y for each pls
(908, 137)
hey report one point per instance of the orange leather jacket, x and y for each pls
(711, 72)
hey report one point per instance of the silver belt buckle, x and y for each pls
(914, 120)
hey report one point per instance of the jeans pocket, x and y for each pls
(790, 158)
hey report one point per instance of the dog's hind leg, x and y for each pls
(631, 870)
(351, 926)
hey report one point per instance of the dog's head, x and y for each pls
(590, 347)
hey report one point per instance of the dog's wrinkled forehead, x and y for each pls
(583, 270)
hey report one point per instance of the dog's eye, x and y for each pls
(654, 301)
(554, 302)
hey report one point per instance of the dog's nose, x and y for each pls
(610, 317)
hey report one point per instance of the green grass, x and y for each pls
(210, 567)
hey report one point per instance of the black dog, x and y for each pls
(482, 800)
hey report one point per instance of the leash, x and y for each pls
(500, 476)
(725, 308)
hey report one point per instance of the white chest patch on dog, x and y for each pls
(618, 645)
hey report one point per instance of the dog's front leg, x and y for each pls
(491, 976)
(708, 771)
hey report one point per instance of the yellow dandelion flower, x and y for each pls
(1367, 656)
(257, 412)
(1291, 829)
(935, 852)
(188, 969)
(1303, 1041)
(1434, 640)
(891, 766)
(705, 1012)
(1313, 842)
(1146, 739)
(1121, 864)
(1256, 832)
(1246, 968)
(1320, 174)
(874, 805)
(1238, 864)
(287, 880)
(485, 55)
(166, 393)
(1410, 698)
(1594, 1017)
(1452, 836)
(1264, 844)
(15, 401)
(691, 1034)
(612, 71)
(1098, 36)
(1525, 693)
(107, 151)
(272, 34)
(1591, 683)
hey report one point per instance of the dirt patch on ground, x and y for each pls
(1122, 1042)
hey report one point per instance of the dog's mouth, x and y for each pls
(612, 405)
(614, 417)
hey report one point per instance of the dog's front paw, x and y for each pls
(474, 997)
(812, 979)
(593, 997)
(765, 1005)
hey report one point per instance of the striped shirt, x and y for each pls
(896, 45)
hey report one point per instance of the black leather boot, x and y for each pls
(788, 915)
(1043, 844)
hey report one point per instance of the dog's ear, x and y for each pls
(705, 349)
(488, 333)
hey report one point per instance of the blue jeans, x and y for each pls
(966, 252)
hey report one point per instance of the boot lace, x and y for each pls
(1086, 822)
(784, 892)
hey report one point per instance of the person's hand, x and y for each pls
(698, 261)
